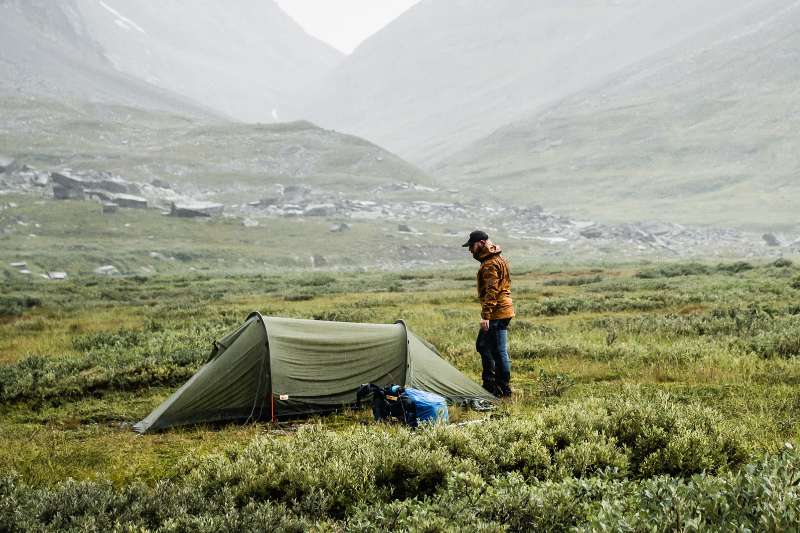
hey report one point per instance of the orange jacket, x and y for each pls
(494, 284)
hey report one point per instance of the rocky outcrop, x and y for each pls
(130, 201)
(67, 186)
(771, 239)
(7, 164)
(196, 209)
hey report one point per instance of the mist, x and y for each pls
(583, 130)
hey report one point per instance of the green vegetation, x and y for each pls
(643, 403)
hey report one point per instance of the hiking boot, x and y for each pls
(505, 392)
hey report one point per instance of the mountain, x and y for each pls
(705, 133)
(229, 161)
(245, 58)
(448, 72)
(46, 51)
(63, 104)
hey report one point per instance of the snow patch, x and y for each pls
(122, 21)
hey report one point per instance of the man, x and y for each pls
(497, 310)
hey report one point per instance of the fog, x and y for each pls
(578, 129)
(344, 24)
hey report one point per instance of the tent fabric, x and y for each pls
(233, 385)
(429, 372)
(316, 364)
(272, 368)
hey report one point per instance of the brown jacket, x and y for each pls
(494, 284)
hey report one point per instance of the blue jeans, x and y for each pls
(493, 347)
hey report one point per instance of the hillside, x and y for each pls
(45, 51)
(244, 58)
(235, 160)
(447, 73)
(705, 133)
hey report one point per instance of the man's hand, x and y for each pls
(484, 325)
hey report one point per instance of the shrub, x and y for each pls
(11, 306)
(575, 466)
(784, 342)
(298, 297)
(572, 282)
(318, 280)
(121, 360)
(782, 263)
(735, 268)
(676, 270)
(552, 385)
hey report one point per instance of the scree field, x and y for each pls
(654, 397)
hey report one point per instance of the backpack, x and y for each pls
(410, 406)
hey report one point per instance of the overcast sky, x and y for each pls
(344, 24)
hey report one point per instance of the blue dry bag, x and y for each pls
(412, 406)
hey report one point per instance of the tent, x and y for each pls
(271, 368)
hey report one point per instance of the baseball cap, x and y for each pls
(476, 236)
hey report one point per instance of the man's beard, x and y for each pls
(477, 255)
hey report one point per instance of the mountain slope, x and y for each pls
(46, 51)
(232, 162)
(449, 72)
(245, 58)
(706, 133)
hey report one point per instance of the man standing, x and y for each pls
(497, 310)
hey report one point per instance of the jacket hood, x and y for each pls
(488, 251)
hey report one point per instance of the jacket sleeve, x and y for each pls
(491, 290)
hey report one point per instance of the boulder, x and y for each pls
(592, 233)
(340, 228)
(66, 193)
(117, 185)
(67, 186)
(405, 228)
(264, 202)
(250, 223)
(771, 239)
(56, 275)
(110, 208)
(97, 194)
(161, 184)
(196, 209)
(107, 270)
(319, 210)
(40, 179)
(130, 201)
(7, 164)
(318, 261)
(68, 179)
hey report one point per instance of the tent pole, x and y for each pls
(274, 414)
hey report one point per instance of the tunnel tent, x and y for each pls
(271, 368)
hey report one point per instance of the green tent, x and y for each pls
(280, 367)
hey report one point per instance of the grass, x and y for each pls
(627, 387)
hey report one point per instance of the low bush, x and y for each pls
(11, 306)
(675, 270)
(572, 282)
(761, 496)
(552, 385)
(784, 342)
(122, 360)
(605, 303)
(734, 268)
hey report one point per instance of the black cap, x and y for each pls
(476, 236)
